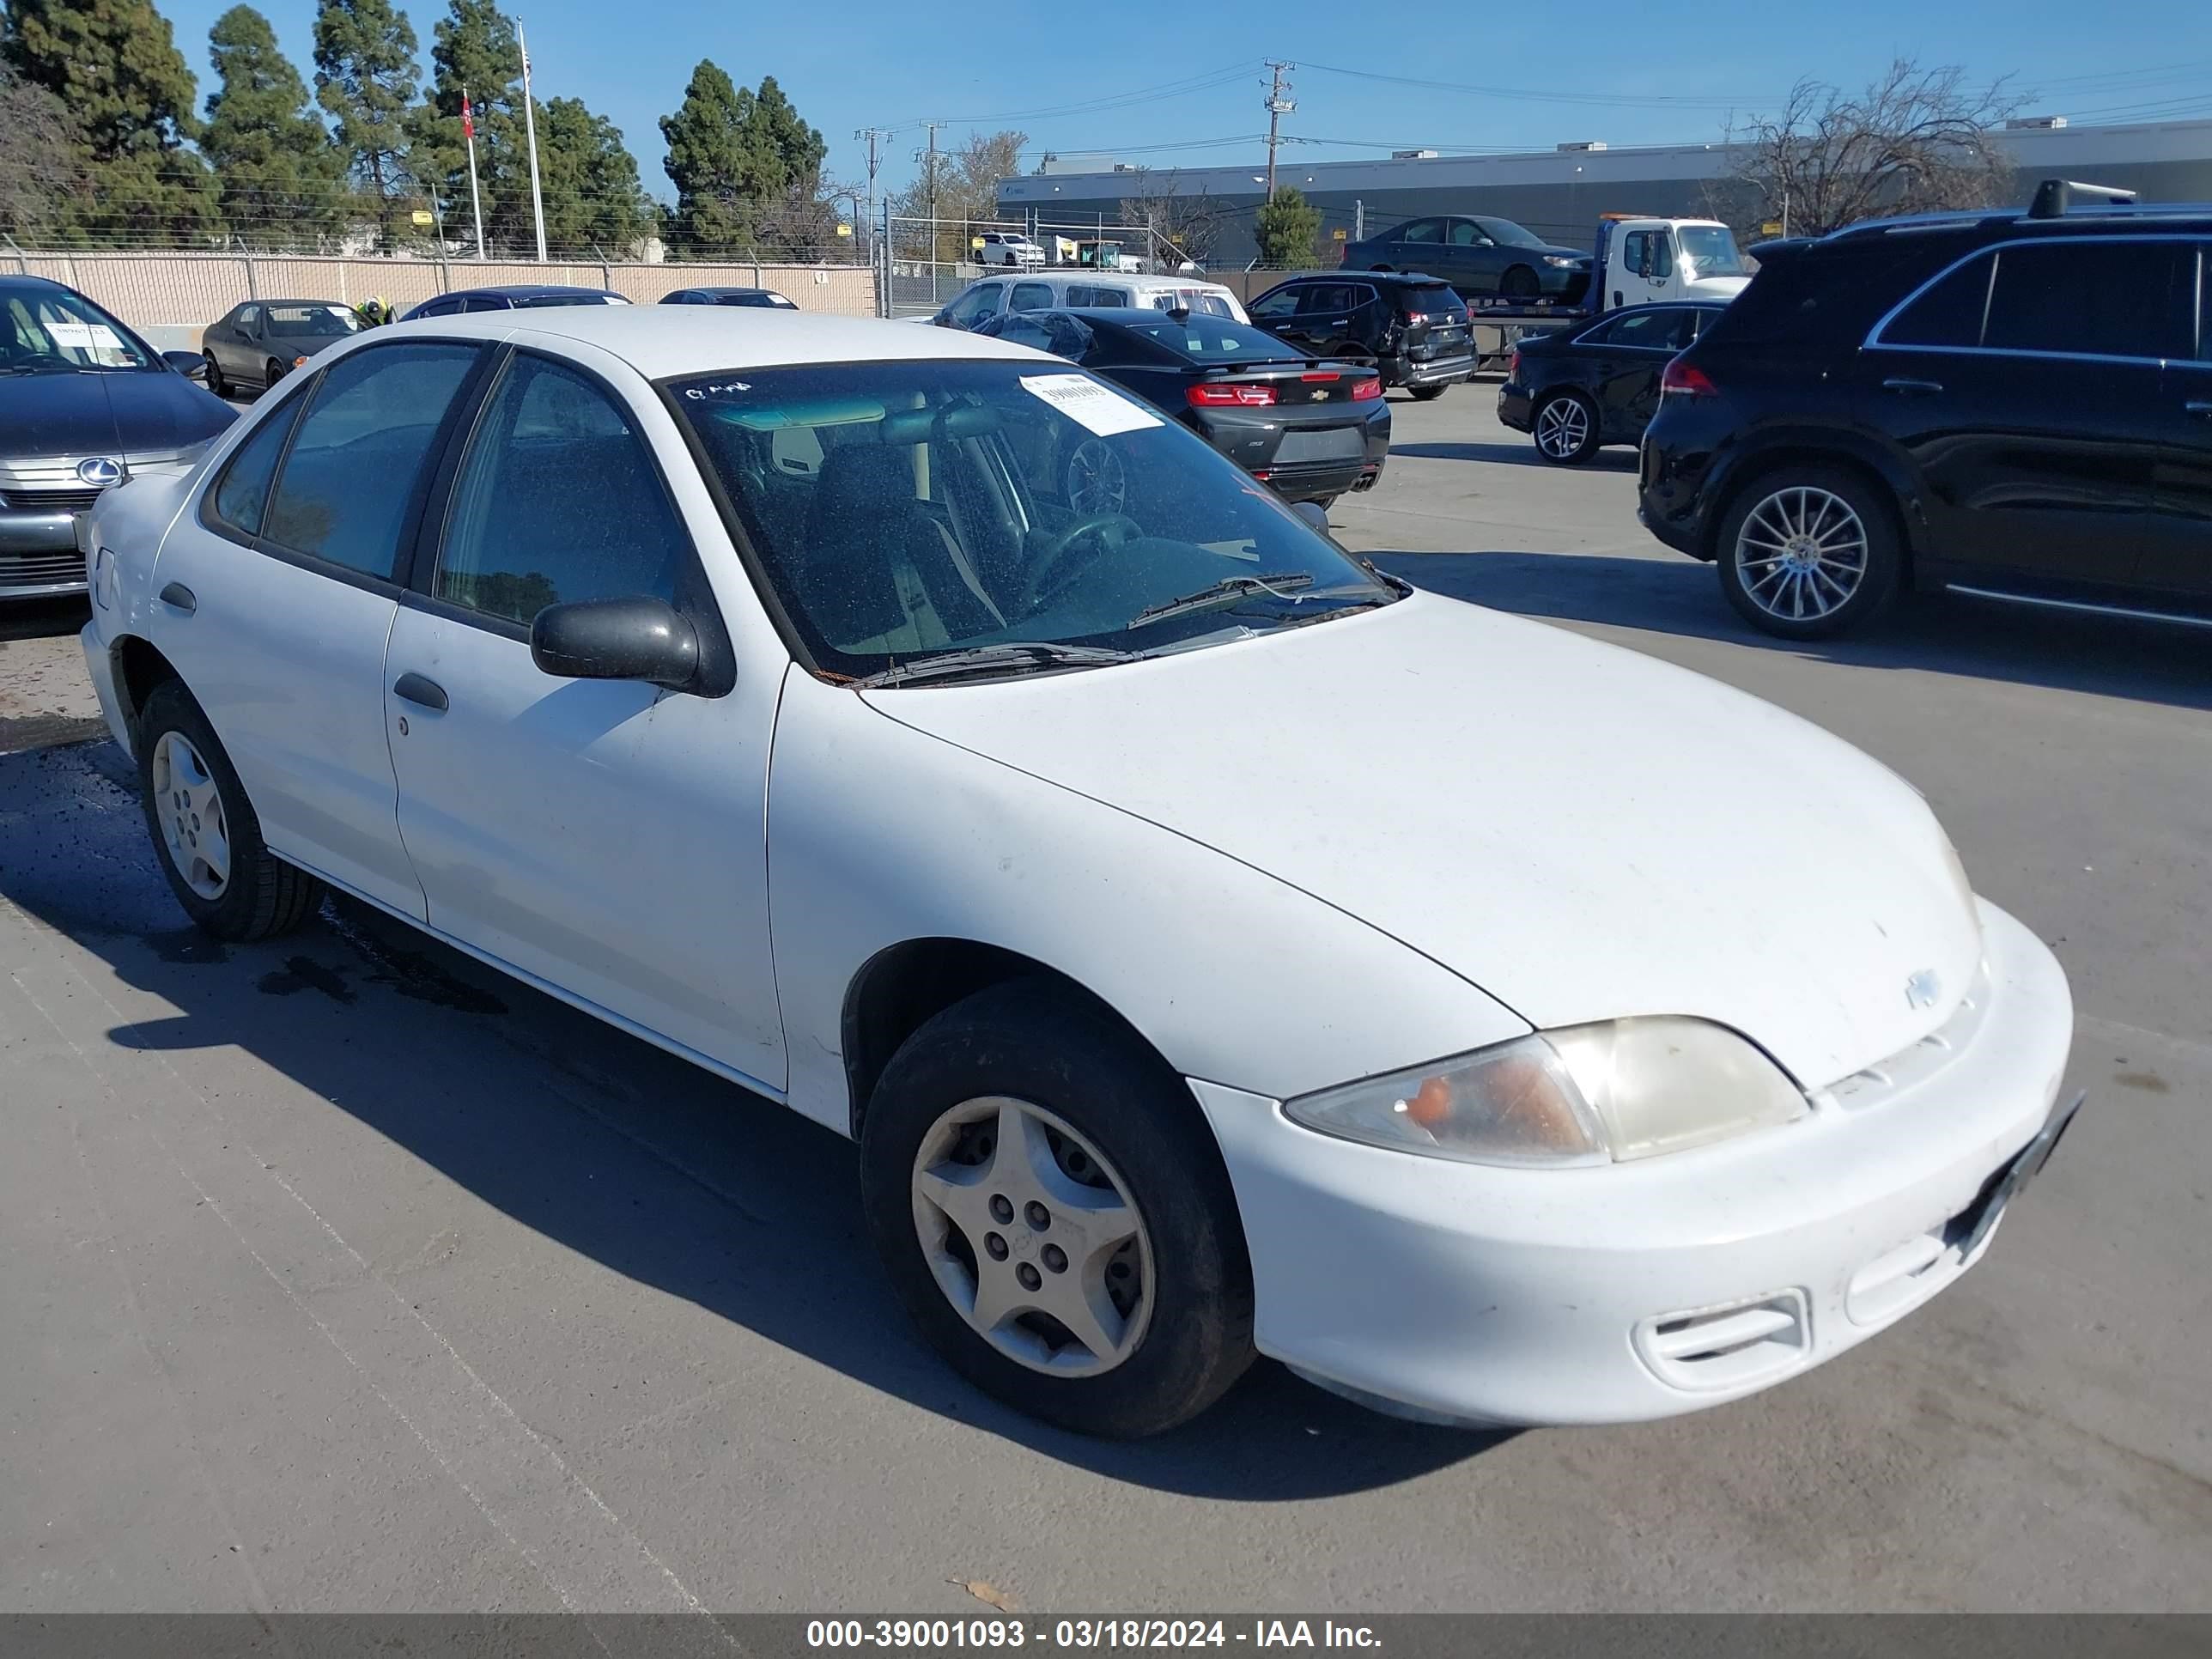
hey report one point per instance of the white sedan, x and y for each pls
(1213, 946)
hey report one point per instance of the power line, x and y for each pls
(1202, 82)
(1521, 94)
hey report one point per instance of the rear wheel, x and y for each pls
(1427, 394)
(1053, 1214)
(1566, 429)
(214, 381)
(1809, 551)
(206, 838)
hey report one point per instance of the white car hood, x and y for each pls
(1715, 287)
(1580, 830)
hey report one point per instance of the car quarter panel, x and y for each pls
(879, 834)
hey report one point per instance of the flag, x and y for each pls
(468, 117)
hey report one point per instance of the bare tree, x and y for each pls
(41, 160)
(1190, 224)
(1914, 141)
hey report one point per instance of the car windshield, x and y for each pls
(906, 510)
(1212, 340)
(536, 300)
(1513, 235)
(1710, 251)
(322, 321)
(49, 331)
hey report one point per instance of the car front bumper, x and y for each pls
(1479, 1293)
(39, 553)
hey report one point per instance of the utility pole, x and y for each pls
(930, 174)
(872, 137)
(1278, 107)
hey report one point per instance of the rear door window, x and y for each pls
(2123, 299)
(349, 477)
(1030, 296)
(1423, 230)
(978, 303)
(1949, 312)
(243, 493)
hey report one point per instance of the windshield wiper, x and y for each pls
(1005, 657)
(1227, 591)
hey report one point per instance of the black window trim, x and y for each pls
(299, 400)
(694, 594)
(1874, 341)
(286, 408)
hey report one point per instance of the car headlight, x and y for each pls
(1607, 1092)
(1563, 261)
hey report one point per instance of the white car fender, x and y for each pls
(879, 834)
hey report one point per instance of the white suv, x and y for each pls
(1007, 248)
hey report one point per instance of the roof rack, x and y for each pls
(2053, 197)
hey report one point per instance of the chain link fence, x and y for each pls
(923, 263)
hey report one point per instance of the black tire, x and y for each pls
(216, 383)
(1037, 1043)
(1564, 406)
(1519, 283)
(272, 371)
(1428, 394)
(1757, 597)
(264, 897)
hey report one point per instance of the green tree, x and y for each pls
(475, 50)
(115, 67)
(365, 78)
(589, 178)
(747, 170)
(278, 173)
(1285, 228)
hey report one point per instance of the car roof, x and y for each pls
(1385, 278)
(520, 290)
(339, 304)
(658, 341)
(727, 289)
(20, 283)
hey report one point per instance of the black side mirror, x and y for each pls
(633, 638)
(190, 364)
(1314, 513)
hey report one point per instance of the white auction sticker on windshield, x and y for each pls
(1099, 408)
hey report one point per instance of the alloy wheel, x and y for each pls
(1096, 480)
(1801, 554)
(1033, 1236)
(1562, 427)
(195, 830)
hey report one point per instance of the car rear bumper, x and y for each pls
(1644, 1290)
(99, 669)
(1515, 407)
(1320, 483)
(1440, 370)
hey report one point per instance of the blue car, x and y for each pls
(518, 297)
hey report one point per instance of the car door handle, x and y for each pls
(417, 689)
(1912, 388)
(181, 596)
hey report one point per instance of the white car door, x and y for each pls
(278, 593)
(602, 835)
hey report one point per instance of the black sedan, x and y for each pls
(520, 296)
(256, 344)
(1308, 427)
(1597, 384)
(84, 403)
(1482, 258)
(766, 298)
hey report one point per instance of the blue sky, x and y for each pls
(1158, 90)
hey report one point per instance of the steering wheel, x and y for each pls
(1054, 554)
(40, 358)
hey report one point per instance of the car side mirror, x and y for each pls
(1314, 513)
(632, 638)
(190, 364)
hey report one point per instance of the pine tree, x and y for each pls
(365, 78)
(592, 196)
(115, 67)
(278, 173)
(1285, 228)
(736, 158)
(476, 49)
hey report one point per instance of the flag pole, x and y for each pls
(530, 126)
(476, 203)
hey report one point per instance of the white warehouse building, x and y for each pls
(1560, 194)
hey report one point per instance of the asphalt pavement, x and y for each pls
(338, 1273)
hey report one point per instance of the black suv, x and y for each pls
(1413, 328)
(2016, 406)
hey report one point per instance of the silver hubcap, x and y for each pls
(1562, 427)
(1033, 1237)
(1801, 554)
(195, 830)
(1096, 483)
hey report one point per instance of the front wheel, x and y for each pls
(1053, 1213)
(1519, 283)
(272, 371)
(1426, 394)
(214, 381)
(1809, 551)
(206, 837)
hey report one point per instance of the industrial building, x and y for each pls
(1560, 193)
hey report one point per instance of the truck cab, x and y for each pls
(1642, 260)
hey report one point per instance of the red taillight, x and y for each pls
(1366, 390)
(1218, 395)
(1412, 318)
(1688, 380)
